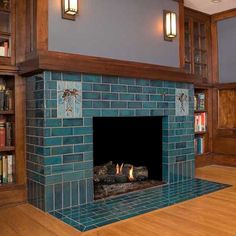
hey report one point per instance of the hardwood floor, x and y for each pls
(213, 214)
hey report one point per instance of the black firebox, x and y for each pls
(129, 140)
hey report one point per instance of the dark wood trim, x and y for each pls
(215, 98)
(14, 194)
(13, 32)
(8, 70)
(42, 25)
(30, 67)
(225, 86)
(224, 15)
(20, 118)
(226, 132)
(21, 23)
(225, 160)
(203, 160)
(214, 52)
(57, 61)
(7, 149)
(201, 16)
(201, 85)
(210, 114)
(181, 35)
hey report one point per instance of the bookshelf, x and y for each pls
(7, 137)
(197, 39)
(13, 189)
(203, 137)
(7, 32)
(200, 122)
(198, 62)
(5, 28)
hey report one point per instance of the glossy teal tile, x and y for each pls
(100, 213)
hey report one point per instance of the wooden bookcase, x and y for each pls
(7, 32)
(203, 136)
(8, 115)
(14, 192)
(197, 45)
(198, 62)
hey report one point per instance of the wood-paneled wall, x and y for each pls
(227, 108)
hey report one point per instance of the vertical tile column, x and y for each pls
(59, 170)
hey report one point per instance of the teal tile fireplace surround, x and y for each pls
(60, 151)
(104, 212)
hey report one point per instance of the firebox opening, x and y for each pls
(127, 154)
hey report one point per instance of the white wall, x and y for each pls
(119, 29)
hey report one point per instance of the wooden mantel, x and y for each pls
(57, 61)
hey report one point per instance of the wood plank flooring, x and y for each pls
(213, 214)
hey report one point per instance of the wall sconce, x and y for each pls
(69, 9)
(170, 25)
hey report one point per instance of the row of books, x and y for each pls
(6, 169)
(4, 50)
(200, 122)
(199, 102)
(6, 134)
(6, 97)
(199, 145)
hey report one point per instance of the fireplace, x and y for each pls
(127, 154)
(62, 153)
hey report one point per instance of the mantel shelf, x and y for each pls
(76, 63)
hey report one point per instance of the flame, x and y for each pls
(131, 171)
(119, 168)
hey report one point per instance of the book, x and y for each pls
(199, 145)
(6, 47)
(195, 103)
(201, 102)
(10, 168)
(2, 51)
(9, 134)
(8, 100)
(203, 122)
(2, 93)
(200, 122)
(2, 133)
(0, 169)
(4, 170)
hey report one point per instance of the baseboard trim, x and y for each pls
(224, 160)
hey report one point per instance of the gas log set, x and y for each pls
(112, 179)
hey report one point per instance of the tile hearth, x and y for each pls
(103, 212)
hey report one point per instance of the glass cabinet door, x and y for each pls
(196, 54)
(187, 35)
(5, 28)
